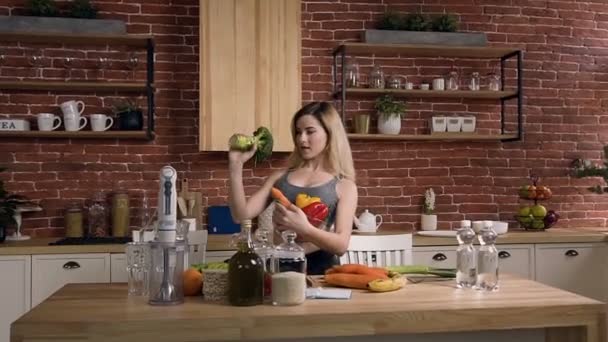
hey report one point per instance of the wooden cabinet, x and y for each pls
(14, 291)
(118, 268)
(51, 271)
(579, 268)
(250, 69)
(516, 259)
(441, 257)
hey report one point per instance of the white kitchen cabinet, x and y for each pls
(579, 268)
(435, 256)
(50, 272)
(516, 259)
(15, 295)
(118, 270)
(215, 256)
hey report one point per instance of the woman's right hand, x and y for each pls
(239, 157)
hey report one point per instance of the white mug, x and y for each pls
(46, 122)
(74, 122)
(101, 122)
(72, 107)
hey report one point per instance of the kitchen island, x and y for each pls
(426, 311)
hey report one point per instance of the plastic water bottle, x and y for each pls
(487, 259)
(465, 256)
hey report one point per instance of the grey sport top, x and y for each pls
(327, 193)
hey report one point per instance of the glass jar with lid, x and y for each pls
(452, 81)
(264, 248)
(289, 277)
(73, 220)
(351, 73)
(474, 82)
(98, 225)
(376, 78)
(493, 82)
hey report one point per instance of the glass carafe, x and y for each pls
(245, 271)
(376, 78)
(452, 81)
(474, 82)
(493, 82)
(289, 277)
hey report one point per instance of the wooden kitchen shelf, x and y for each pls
(140, 135)
(434, 137)
(411, 50)
(65, 38)
(75, 85)
(481, 94)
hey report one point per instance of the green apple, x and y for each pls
(524, 211)
(538, 211)
(538, 224)
(525, 220)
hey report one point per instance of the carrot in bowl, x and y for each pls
(278, 195)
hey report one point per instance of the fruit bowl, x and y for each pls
(535, 223)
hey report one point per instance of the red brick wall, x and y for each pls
(565, 47)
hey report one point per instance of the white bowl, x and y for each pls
(500, 227)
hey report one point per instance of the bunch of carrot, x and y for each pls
(354, 276)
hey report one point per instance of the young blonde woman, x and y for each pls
(321, 165)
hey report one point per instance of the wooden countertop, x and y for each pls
(222, 242)
(103, 312)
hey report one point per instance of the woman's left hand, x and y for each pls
(292, 218)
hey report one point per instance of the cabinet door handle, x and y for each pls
(571, 253)
(71, 265)
(504, 254)
(439, 257)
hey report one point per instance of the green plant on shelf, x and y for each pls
(388, 107)
(8, 205)
(42, 8)
(444, 23)
(582, 168)
(82, 9)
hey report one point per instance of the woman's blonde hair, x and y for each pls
(338, 156)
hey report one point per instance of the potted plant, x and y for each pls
(128, 115)
(428, 220)
(389, 112)
(415, 28)
(8, 204)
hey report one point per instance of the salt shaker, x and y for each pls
(487, 259)
(465, 256)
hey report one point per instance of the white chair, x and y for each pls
(379, 250)
(197, 247)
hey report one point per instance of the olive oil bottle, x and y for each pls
(245, 271)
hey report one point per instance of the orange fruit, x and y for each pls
(193, 282)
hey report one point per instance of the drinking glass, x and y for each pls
(68, 63)
(35, 60)
(132, 63)
(138, 263)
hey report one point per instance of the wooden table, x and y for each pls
(104, 312)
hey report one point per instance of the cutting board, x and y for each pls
(197, 197)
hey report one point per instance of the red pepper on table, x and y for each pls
(316, 212)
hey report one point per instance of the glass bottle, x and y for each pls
(98, 217)
(474, 82)
(376, 78)
(493, 82)
(245, 271)
(351, 74)
(289, 277)
(452, 81)
(120, 214)
(465, 256)
(264, 248)
(487, 259)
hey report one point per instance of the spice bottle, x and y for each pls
(120, 214)
(289, 279)
(98, 217)
(73, 220)
(245, 271)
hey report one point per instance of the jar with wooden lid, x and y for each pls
(73, 218)
(98, 216)
(120, 214)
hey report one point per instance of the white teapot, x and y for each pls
(368, 222)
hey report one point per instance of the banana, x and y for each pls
(386, 285)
